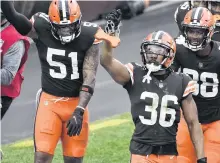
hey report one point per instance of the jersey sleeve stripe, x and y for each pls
(189, 89)
(44, 16)
(130, 69)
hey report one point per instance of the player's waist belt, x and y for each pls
(145, 149)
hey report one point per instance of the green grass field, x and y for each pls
(108, 143)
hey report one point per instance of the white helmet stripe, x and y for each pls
(64, 10)
(158, 35)
(196, 16)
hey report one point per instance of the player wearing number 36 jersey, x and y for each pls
(69, 56)
(156, 94)
(199, 57)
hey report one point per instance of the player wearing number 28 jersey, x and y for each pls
(199, 57)
(69, 57)
(156, 94)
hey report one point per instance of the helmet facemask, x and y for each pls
(66, 31)
(154, 55)
(197, 37)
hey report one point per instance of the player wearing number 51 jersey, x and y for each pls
(156, 94)
(199, 57)
(69, 56)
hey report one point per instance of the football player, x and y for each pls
(156, 94)
(69, 56)
(213, 6)
(199, 57)
(184, 8)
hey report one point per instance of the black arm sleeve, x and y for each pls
(19, 21)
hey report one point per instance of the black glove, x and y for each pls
(74, 125)
(202, 160)
(113, 22)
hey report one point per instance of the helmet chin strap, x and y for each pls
(152, 68)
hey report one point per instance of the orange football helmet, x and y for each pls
(161, 39)
(65, 17)
(201, 21)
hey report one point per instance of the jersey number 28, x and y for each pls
(164, 110)
(63, 69)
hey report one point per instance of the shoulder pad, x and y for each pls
(180, 13)
(189, 86)
(180, 40)
(39, 15)
(137, 64)
(184, 6)
(89, 30)
(44, 16)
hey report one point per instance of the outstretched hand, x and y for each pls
(113, 22)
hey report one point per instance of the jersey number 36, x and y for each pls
(164, 110)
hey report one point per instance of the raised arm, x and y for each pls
(115, 68)
(22, 24)
(190, 114)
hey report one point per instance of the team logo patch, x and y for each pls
(200, 65)
(161, 84)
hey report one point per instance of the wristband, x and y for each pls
(87, 88)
